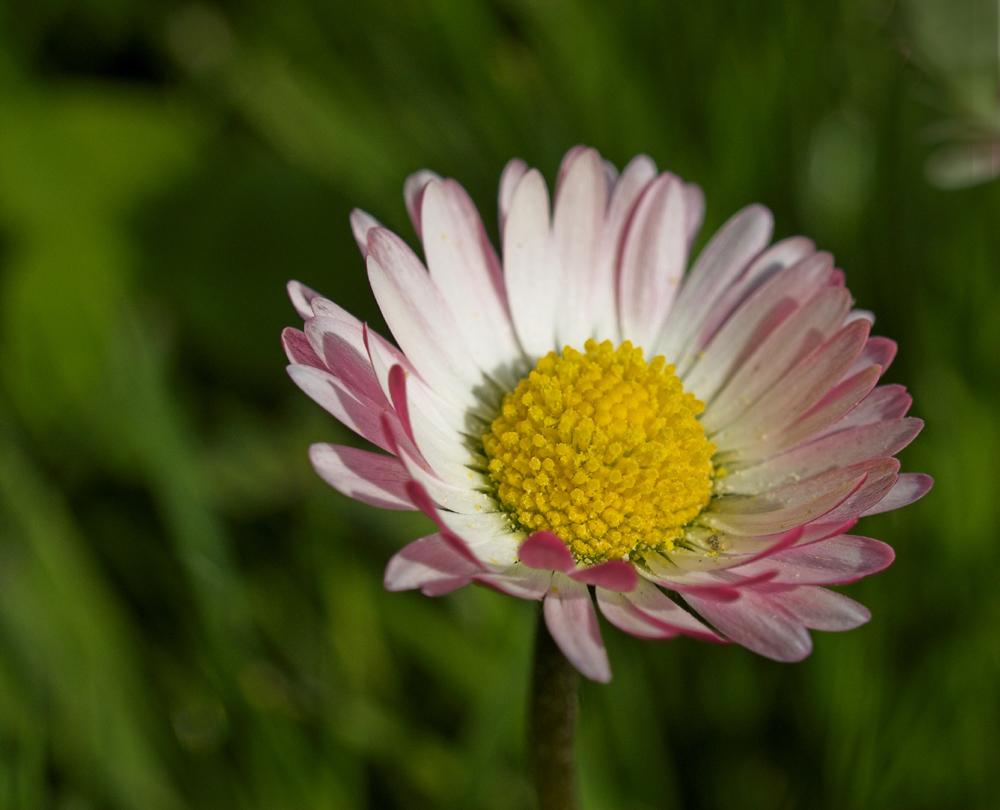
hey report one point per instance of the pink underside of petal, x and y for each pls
(301, 296)
(397, 390)
(413, 192)
(750, 324)
(878, 351)
(658, 608)
(572, 622)
(788, 507)
(822, 609)
(908, 488)
(545, 550)
(779, 256)
(618, 610)
(836, 561)
(883, 403)
(361, 224)
(653, 258)
(511, 176)
(722, 261)
(798, 391)
(364, 417)
(882, 476)
(614, 575)
(342, 348)
(841, 449)
(298, 350)
(758, 623)
(425, 563)
(423, 502)
(369, 477)
(718, 587)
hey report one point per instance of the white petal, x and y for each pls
(798, 335)
(466, 271)
(413, 193)
(570, 618)
(722, 261)
(753, 321)
(512, 174)
(489, 535)
(653, 259)
(532, 275)
(577, 226)
(421, 321)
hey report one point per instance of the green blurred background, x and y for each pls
(190, 618)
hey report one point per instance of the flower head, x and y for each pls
(584, 413)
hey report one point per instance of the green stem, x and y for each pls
(553, 724)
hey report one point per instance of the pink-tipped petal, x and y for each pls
(908, 488)
(298, 350)
(841, 449)
(882, 476)
(577, 227)
(840, 400)
(878, 351)
(798, 391)
(420, 319)
(466, 271)
(694, 201)
(423, 502)
(883, 403)
(618, 610)
(397, 394)
(511, 176)
(750, 324)
(532, 276)
(758, 623)
(341, 346)
(653, 259)
(301, 297)
(545, 550)
(786, 508)
(614, 575)
(413, 193)
(572, 622)
(361, 416)
(655, 608)
(426, 562)
(722, 261)
(798, 335)
(822, 609)
(368, 477)
(779, 256)
(361, 224)
(837, 561)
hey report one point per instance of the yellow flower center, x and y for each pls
(604, 450)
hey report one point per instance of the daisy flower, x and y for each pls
(583, 419)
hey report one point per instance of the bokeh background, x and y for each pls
(190, 618)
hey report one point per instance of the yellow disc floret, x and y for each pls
(604, 450)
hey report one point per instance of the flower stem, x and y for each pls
(553, 724)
